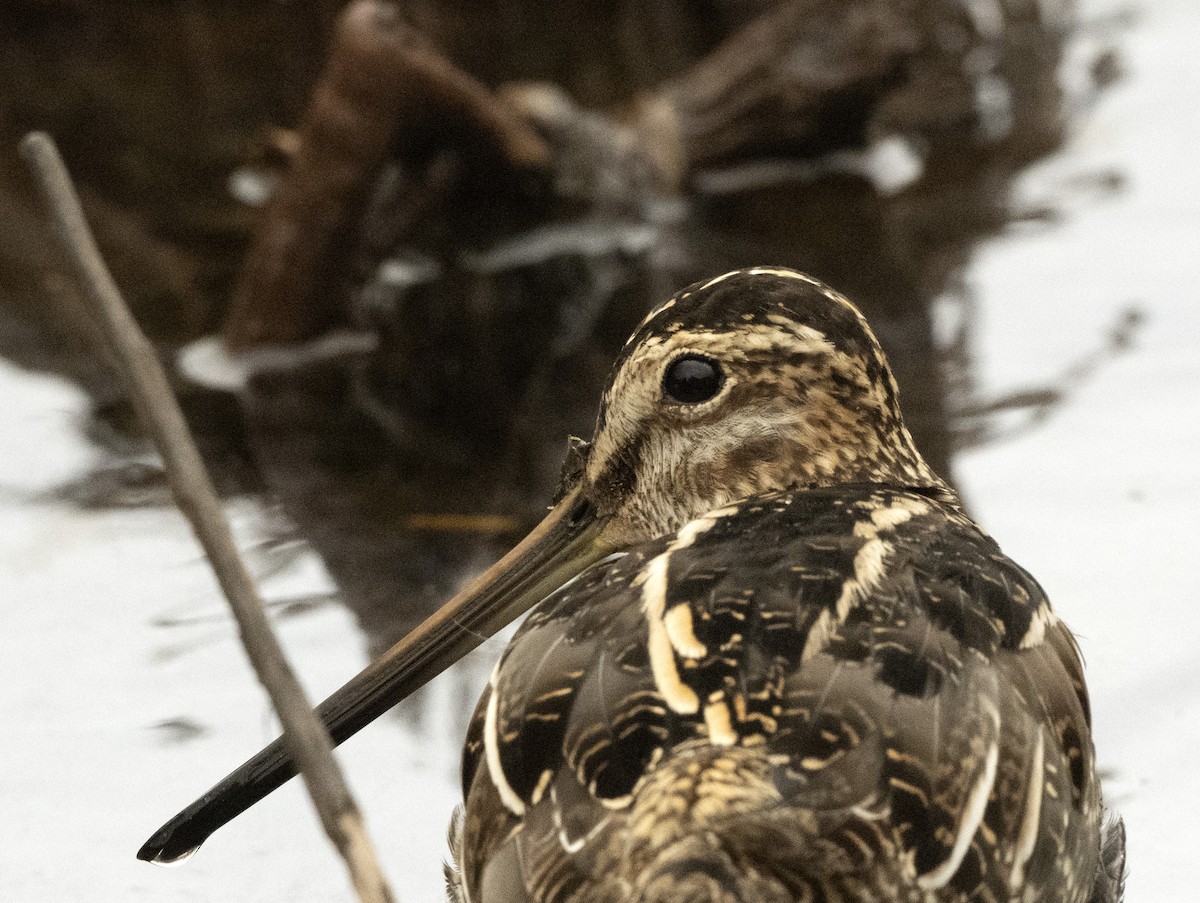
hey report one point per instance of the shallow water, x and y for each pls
(126, 691)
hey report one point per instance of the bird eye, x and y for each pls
(692, 379)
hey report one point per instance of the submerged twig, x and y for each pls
(305, 738)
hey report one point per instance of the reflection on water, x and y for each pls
(383, 461)
(978, 421)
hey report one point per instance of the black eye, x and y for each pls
(692, 379)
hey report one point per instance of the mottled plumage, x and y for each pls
(809, 677)
(769, 658)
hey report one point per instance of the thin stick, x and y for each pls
(305, 738)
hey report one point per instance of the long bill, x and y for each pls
(562, 545)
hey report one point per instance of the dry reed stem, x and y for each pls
(305, 738)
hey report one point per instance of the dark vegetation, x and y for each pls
(491, 194)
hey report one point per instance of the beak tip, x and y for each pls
(179, 839)
(158, 848)
(157, 855)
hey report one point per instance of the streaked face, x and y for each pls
(756, 381)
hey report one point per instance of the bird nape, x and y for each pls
(769, 657)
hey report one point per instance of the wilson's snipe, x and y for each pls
(788, 667)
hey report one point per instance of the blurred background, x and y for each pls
(389, 251)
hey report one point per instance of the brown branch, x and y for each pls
(785, 84)
(306, 740)
(383, 89)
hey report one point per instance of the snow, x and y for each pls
(124, 691)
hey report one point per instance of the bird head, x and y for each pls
(756, 381)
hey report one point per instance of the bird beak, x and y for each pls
(559, 548)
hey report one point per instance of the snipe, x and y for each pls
(784, 665)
